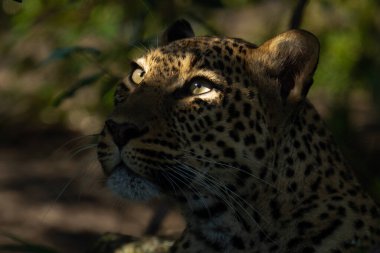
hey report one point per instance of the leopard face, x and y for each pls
(180, 110)
(223, 127)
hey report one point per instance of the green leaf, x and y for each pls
(78, 85)
(62, 53)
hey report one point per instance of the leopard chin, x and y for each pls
(127, 184)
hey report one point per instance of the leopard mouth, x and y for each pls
(129, 185)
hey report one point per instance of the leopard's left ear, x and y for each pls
(290, 59)
(180, 29)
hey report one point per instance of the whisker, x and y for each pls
(170, 181)
(81, 149)
(143, 47)
(93, 164)
(80, 174)
(210, 188)
(282, 175)
(92, 137)
(228, 192)
(226, 189)
(235, 168)
(183, 193)
(65, 187)
(196, 191)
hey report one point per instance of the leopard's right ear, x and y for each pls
(180, 29)
(289, 60)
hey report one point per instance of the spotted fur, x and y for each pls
(250, 162)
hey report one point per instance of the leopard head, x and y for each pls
(199, 114)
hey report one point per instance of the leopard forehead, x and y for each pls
(181, 58)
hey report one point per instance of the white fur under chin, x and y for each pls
(130, 186)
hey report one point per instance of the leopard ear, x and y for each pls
(290, 59)
(180, 29)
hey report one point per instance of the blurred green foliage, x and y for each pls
(61, 59)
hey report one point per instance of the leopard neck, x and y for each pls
(306, 159)
(303, 163)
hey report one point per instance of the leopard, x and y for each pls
(224, 128)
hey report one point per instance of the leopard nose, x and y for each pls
(123, 133)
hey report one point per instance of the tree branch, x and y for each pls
(296, 19)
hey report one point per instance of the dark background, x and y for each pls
(60, 61)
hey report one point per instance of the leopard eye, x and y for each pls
(137, 75)
(199, 87)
